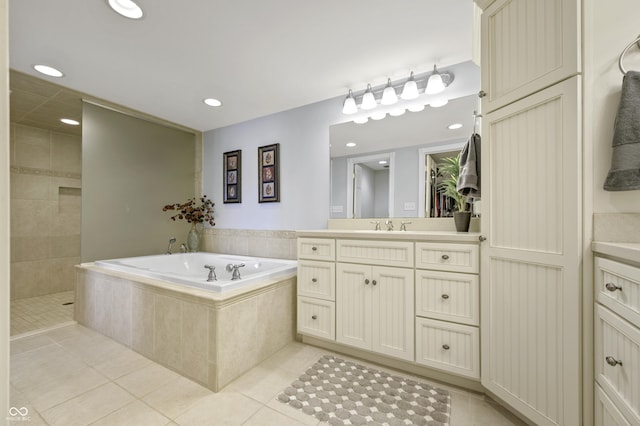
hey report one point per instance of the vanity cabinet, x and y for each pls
(448, 308)
(617, 342)
(316, 287)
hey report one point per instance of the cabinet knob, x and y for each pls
(482, 94)
(445, 296)
(374, 282)
(482, 238)
(314, 280)
(366, 281)
(314, 248)
(445, 347)
(314, 317)
(612, 287)
(612, 361)
(445, 256)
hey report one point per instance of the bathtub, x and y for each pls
(163, 308)
(189, 269)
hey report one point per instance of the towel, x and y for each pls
(469, 178)
(624, 174)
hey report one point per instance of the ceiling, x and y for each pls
(257, 57)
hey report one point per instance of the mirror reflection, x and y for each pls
(388, 168)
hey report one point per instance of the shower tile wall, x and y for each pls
(45, 210)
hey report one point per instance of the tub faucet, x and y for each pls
(235, 270)
(403, 225)
(377, 223)
(171, 241)
(183, 248)
(212, 273)
(389, 225)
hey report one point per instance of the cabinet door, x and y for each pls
(531, 261)
(527, 45)
(393, 312)
(353, 305)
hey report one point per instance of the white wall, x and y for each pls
(303, 134)
(609, 27)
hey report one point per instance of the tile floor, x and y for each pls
(71, 375)
(40, 312)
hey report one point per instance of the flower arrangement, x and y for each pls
(193, 212)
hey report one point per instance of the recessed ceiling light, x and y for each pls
(70, 121)
(382, 162)
(47, 70)
(213, 102)
(351, 144)
(454, 126)
(126, 8)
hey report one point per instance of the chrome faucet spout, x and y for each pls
(171, 241)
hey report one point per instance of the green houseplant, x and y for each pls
(449, 169)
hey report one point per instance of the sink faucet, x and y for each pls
(235, 270)
(389, 225)
(171, 241)
(377, 223)
(403, 225)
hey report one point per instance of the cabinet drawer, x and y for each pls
(316, 317)
(384, 253)
(448, 296)
(450, 347)
(618, 287)
(617, 361)
(316, 248)
(448, 257)
(606, 413)
(317, 279)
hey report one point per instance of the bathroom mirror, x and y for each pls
(361, 187)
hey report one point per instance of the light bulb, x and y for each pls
(368, 100)
(439, 103)
(389, 95)
(410, 89)
(349, 106)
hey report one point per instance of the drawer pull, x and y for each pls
(314, 317)
(366, 281)
(314, 248)
(445, 256)
(445, 347)
(445, 296)
(612, 361)
(314, 280)
(612, 287)
(374, 282)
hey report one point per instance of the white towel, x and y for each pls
(469, 178)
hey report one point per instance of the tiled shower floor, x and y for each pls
(40, 312)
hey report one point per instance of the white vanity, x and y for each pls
(406, 299)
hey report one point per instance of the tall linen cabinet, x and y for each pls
(532, 207)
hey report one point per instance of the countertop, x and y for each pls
(425, 236)
(624, 251)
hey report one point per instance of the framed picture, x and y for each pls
(269, 173)
(232, 177)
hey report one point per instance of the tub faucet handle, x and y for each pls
(212, 273)
(171, 241)
(235, 270)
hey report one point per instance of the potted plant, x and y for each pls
(449, 169)
(196, 214)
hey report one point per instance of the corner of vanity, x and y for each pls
(406, 299)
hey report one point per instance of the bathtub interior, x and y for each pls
(189, 268)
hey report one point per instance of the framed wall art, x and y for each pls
(269, 173)
(232, 177)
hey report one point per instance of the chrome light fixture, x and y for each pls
(438, 81)
(410, 89)
(389, 95)
(368, 99)
(349, 105)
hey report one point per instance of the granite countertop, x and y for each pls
(624, 251)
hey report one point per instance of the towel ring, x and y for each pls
(624, 52)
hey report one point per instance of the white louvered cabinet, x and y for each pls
(617, 342)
